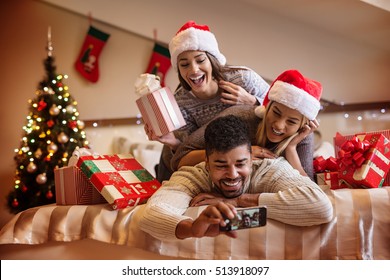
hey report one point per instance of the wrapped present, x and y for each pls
(331, 179)
(365, 160)
(340, 139)
(73, 188)
(120, 179)
(160, 111)
(321, 165)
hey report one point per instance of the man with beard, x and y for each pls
(228, 179)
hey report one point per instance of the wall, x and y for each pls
(125, 56)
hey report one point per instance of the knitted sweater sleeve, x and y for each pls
(166, 208)
(290, 198)
(305, 150)
(252, 82)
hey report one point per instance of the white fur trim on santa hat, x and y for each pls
(193, 39)
(295, 98)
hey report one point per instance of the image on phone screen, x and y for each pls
(247, 218)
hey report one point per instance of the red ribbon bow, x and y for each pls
(321, 165)
(352, 152)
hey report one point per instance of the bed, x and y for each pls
(360, 229)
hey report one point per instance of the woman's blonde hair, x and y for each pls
(261, 135)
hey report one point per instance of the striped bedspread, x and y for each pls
(360, 229)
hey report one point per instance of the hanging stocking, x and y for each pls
(88, 61)
(160, 62)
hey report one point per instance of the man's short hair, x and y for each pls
(226, 133)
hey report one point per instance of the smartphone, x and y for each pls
(247, 218)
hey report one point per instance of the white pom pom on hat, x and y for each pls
(295, 91)
(194, 37)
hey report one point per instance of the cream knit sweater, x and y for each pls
(289, 197)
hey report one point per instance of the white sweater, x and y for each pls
(289, 197)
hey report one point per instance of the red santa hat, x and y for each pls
(295, 91)
(194, 37)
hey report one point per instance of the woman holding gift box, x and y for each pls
(287, 120)
(207, 85)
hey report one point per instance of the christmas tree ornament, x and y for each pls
(52, 148)
(31, 167)
(41, 178)
(87, 62)
(41, 105)
(160, 62)
(15, 203)
(38, 153)
(54, 110)
(49, 194)
(70, 109)
(50, 123)
(62, 138)
(72, 124)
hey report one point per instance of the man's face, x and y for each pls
(230, 170)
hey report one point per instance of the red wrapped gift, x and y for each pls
(120, 179)
(339, 140)
(72, 187)
(331, 179)
(321, 165)
(160, 111)
(365, 160)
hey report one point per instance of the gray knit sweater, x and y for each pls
(197, 112)
(289, 197)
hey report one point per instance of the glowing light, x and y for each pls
(95, 124)
(383, 111)
(346, 115)
(32, 140)
(359, 118)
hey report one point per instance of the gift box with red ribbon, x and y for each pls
(327, 172)
(120, 179)
(160, 111)
(339, 140)
(364, 159)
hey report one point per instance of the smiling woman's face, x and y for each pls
(195, 68)
(282, 122)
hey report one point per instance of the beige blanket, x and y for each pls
(360, 229)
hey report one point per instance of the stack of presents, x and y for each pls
(120, 179)
(362, 161)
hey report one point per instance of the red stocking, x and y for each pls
(88, 61)
(160, 62)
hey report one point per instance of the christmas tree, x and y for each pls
(51, 134)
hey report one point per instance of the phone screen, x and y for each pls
(247, 218)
